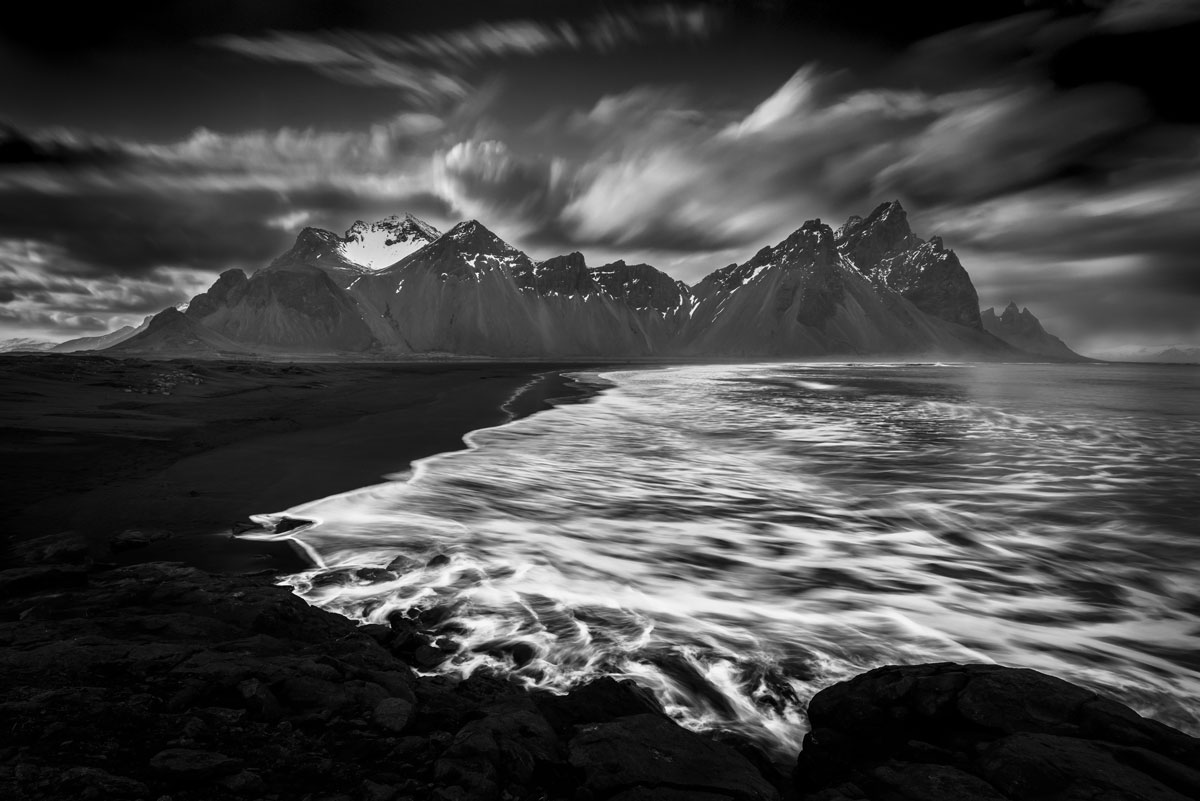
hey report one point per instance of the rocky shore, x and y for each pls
(162, 681)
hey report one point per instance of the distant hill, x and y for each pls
(101, 342)
(398, 287)
(171, 332)
(24, 345)
(1159, 354)
(1019, 328)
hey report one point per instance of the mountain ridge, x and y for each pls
(1019, 328)
(870, 288)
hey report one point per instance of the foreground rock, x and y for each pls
(158, 680)
(967, 732)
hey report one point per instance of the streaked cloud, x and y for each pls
(35, 298)
(429, 68)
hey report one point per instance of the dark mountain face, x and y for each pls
(470, 292)
(316, 248)
(873, 288)
(883, 233)
(468, 252)
(805, 297)
(782, 300)
(172, 333)
(1019, 328)
(561, 275)
(643, 287)
(298, 308)
(883, 247)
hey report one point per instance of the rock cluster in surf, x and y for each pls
(157, 680)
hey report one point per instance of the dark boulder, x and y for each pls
(650, 751)
(949, 731)
(23, 581)
(599, 701)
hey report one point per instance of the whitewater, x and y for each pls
(736, 538)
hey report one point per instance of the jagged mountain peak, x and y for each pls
(1013, 310)
(642, 286)
(1021, 329)
(365, 247)
(572, 259)
(566, 275)
(387, 241)
(866, 241)
(393, 223)
(883, 247)
(477, 237)
(810, 246)
(315, 236)
(472, 236)
(1014, 315)
(467, 251)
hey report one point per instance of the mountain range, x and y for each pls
(1158, 354)
(1019, 328)
(399, 287)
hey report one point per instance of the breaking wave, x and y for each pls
(737, 538)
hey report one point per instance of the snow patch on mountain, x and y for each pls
(384, 242)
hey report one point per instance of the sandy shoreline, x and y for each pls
(185, 450)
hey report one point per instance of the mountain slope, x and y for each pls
(883, 247)
(172, 333)
(802, 297)
(295, 309)
(1022, 330)
(644, 287)
(103, 341)
(471, 293)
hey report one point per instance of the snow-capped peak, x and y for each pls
(384, 242)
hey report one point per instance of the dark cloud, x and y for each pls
(656, 173)
(1153, 60)
(16, 284)
(132, 234)
(46, 320)
(60, 150)
(487, 180)
(1018, 139)
(124, 24)
(208, 202)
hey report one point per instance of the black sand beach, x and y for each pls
(183, 450)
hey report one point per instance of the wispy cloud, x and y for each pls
(34, 298)
(428, 68)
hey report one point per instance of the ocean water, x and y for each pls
(738, 537)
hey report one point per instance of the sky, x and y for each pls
(1052, 145)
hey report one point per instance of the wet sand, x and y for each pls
(185, 450)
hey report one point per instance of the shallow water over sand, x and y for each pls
(738, 537)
